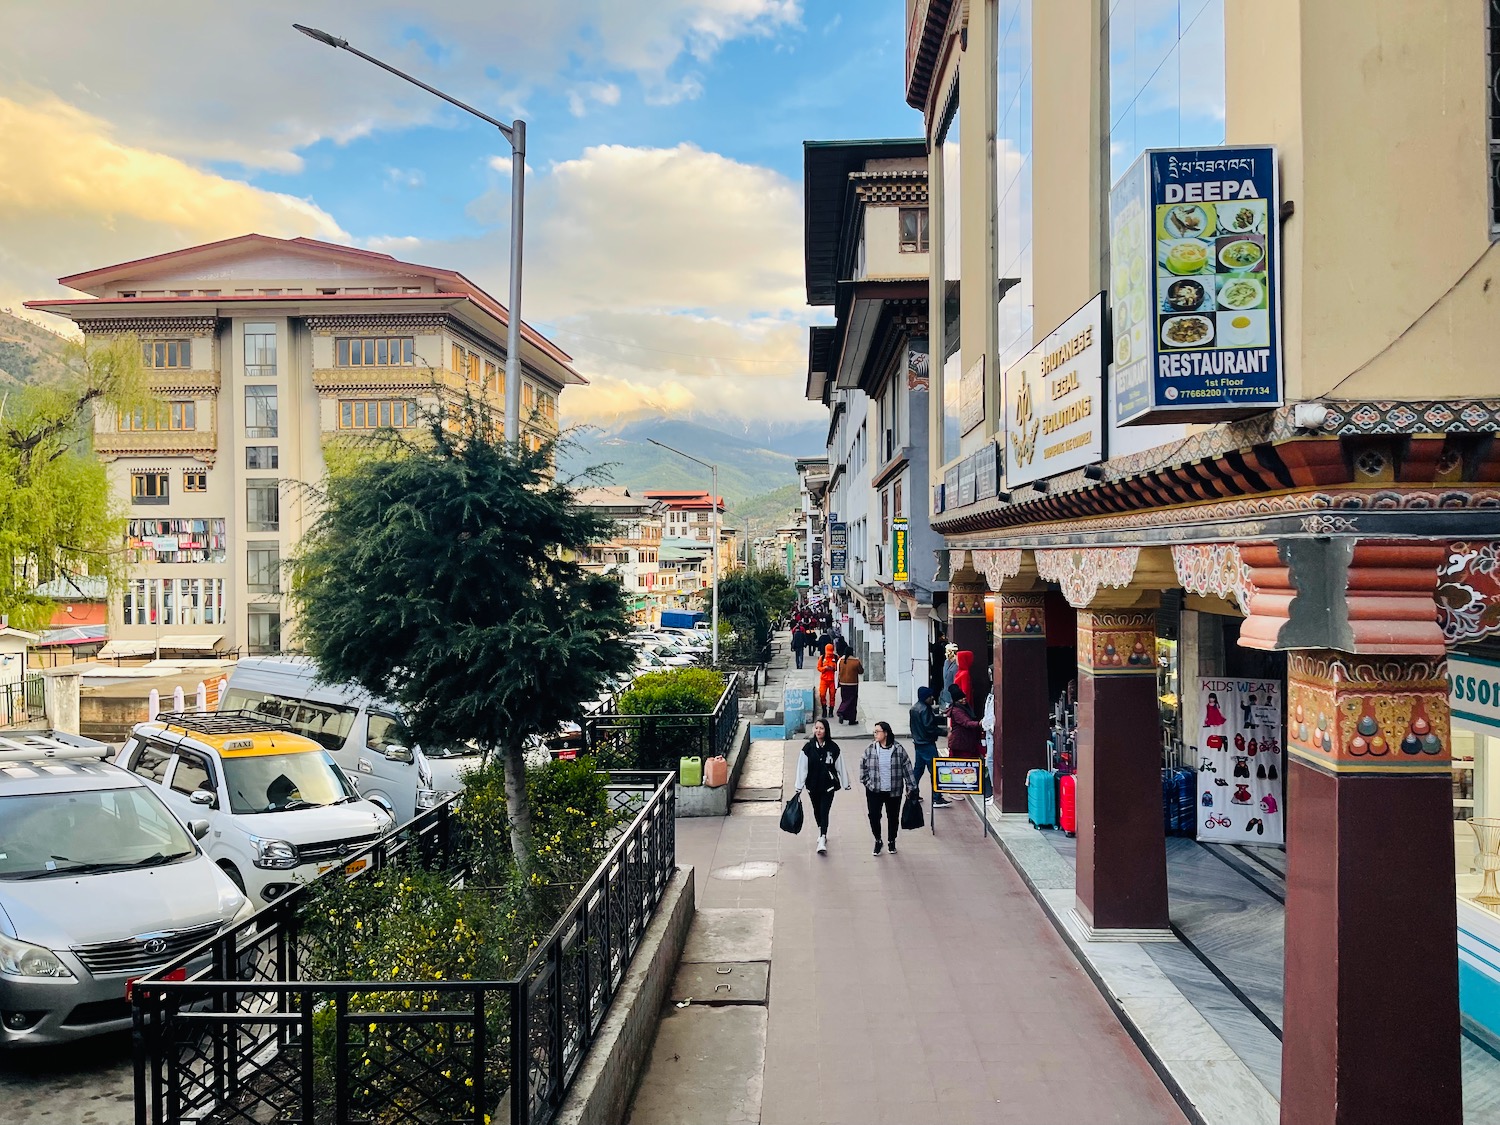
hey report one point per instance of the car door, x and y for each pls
(193, 772)
(395, 780)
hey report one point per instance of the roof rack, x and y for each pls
(223, 722)
(30, 746)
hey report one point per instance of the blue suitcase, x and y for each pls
(1179, 804)
(1041, 798)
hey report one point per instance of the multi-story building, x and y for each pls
(633, 552)
(1272, 463)
(264, 353)
(867, 256)
(690, 515)
(801, 539)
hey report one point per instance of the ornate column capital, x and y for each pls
(1021, 616)
(1080, 571)
(1117, 643)
(1351, 714)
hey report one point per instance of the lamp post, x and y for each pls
(714, 500)
(515, 135)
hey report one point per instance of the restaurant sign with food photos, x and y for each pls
(1195, 252)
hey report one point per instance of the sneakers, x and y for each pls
(989, 800)
(892, 847)
(941, 802)
(878, 846)
(822, 845)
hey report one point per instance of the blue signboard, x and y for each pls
(1195, 255)
(837, 581)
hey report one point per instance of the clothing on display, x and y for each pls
(1238, 721)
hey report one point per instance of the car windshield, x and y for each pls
(260, 783)
(78, 833)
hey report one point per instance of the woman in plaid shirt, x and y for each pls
(885, 771)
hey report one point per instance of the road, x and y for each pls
(85, 1083)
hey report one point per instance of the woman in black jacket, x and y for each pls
(820, 770)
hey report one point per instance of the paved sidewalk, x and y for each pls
(924, 988)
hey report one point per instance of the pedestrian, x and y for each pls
(965, 735)
(925, 728)
(799, 640)
(950, 669)
(884, 772)
(963, 678)
(850, 669)
(827, 668)
(987, 724)
(820, 770)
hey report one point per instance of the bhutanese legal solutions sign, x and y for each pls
(1054, 419)
(1195, 253)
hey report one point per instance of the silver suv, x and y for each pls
(99, 885)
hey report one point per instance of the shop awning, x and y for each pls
(194, 642)
(128, 648)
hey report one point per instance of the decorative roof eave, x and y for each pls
(924, 42)
(156, 325)
(885, 194)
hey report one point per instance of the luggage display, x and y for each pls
(690, 771)
(1067, 803)
(716, 771)
(1179, 801)
(1041, 799)
(792, 816)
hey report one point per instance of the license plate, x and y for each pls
(349, 869)
(175, 974)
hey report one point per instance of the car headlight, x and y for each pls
(432, 798)
(275, 855)
(22, 959)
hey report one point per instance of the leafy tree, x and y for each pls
(776, 590)
(743, 604)
(56, 513)
(441, 575)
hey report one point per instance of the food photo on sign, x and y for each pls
(1238, 728)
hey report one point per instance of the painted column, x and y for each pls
(967, 629)
(1371, 1027)
(1122, 854)
(1021, 723)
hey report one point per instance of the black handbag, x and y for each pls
(911, 811)
(792, 816)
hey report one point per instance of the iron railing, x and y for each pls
(657, 742)
(23, 700)
(249, 1036)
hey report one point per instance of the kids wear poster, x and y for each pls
(1241, 760)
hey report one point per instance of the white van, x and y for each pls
(365, 735)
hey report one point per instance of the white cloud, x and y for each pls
(236, 83)
(604, 93)
(72, 197)
(405, 177)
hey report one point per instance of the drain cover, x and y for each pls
(727, 982)
(758, 869)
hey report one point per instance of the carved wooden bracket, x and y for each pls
(997, 566)
(1214, 570)
(1080, 571)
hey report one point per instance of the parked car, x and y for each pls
(657, 659)
(99, 884)
(279, 808)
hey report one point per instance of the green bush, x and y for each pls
(655, 732)
(681, 691)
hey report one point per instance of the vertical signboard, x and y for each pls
(971, 397)
(1195, 253)
(900, 550)
(1053, 417)
(1240, 763)
(838, 548)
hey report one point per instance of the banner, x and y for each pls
(900, 553)
(1238, 728)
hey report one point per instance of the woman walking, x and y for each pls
(884, 772)
(850, 669)
(827, 666)
(820, 770)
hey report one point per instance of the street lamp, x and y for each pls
(715, 502)
(515, 135)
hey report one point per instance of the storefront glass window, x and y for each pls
(1013, 179)
(1166, 76)
(952, 371)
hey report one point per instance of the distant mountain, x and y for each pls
(28, 352)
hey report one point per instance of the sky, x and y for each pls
(664, 164)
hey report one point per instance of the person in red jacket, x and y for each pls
(965, 734)
(963, 679)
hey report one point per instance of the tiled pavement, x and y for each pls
(925, 987)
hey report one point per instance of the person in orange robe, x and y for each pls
(827, 666)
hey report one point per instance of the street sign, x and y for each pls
(958, 777)
(837, 581)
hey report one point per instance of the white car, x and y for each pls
(280, 810)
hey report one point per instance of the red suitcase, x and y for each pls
(1067, 803)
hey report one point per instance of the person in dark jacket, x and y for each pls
(925, 729)
(820, 770)
(884, 771)
(799, 641)
(965, 735)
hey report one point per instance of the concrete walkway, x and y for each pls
(924, 987)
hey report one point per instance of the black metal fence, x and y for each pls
(657, 742)
(248, 1037)
(24, 700)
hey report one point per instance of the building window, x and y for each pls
(377, 414)
(260, 351)
(173, 601)
(397, 351)
(263, 632)
(175, 541)
(150, 488)
(194, 480)
(163, 416)
(491, 376)
(263, 563)
(262, 505)
(260, 412)
(914, 234)
(262, 457)
(167, 353)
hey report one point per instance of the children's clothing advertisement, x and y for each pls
(1240, 761)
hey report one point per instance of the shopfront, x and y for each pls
(1474, 684)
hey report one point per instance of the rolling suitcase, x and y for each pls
(1041, 799)
(690, 771)
(1067, 803)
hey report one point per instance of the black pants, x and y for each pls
(821, 803)
(875, 800)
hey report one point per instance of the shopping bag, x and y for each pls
(791, 816)
(911, 812)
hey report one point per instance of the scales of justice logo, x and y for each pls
(1023, 444)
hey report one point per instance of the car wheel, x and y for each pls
(234, 875)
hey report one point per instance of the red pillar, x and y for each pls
(1122, 851)
(1371, 1027)
(1021, 724)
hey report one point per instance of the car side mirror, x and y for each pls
(398, 754)
(203, 797)
(199, 828)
